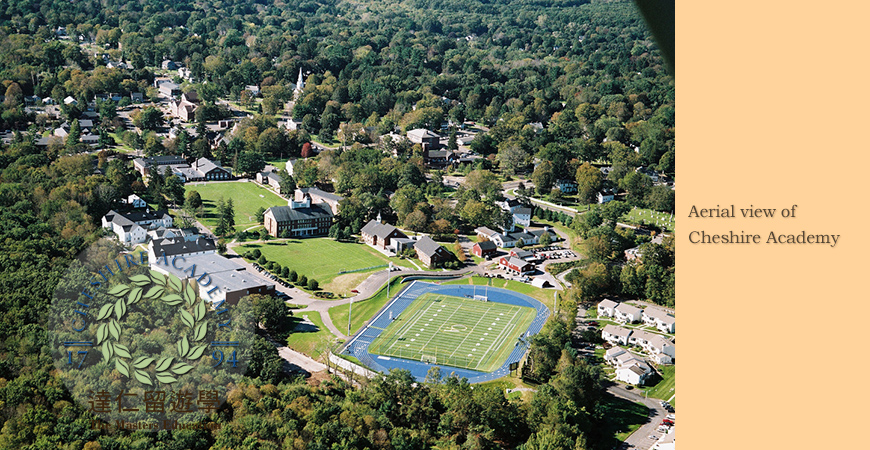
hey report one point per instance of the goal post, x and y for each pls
(481, 298)
(429, 359)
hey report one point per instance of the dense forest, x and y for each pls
(587, 71)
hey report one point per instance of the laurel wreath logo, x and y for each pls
(171, 291)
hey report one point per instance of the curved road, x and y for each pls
(366, 289)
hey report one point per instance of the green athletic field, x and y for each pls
(247, 198)
(455, 331)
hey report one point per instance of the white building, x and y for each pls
(136, 202)
(605, 308)
(615, 334)
(660, 319)
(627, 313)
(131, 228)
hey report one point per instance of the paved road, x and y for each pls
(366, 289)
(640, 438)
(297, 360)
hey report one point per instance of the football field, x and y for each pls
(454, 331)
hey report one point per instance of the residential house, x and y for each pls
(633, 371)
(135, 201)
(660, 319)
(168, 65)
(169, 89)
(271, 179)
(627, 313)
(615, 334)
(606, 194)
(254, 90)
(606, 307)
(640, 338)
(659, 345)
(293, 124)
(90, 139)
(131, 228)
(431, 253)
(86, 125)
(379, 235)
(567, 186)
(70, 100)
(484, 249)
(650, 172)
(611, 354)
(136, 97)
(515, 265)
(298, 219)
(427, 139)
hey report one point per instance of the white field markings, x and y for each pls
(405, 328)
(467, 335)
(501, 340)
(489, 313)
(425, 314)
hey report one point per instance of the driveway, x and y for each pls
(640, 438)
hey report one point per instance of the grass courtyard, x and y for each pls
(455, 331)
(247, 198)
(322, 259)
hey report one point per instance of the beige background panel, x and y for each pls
(772, 112)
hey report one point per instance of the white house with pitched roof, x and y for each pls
(627, 313)
(660, 319)
(605, 308)
(615, 334)
(132, 228)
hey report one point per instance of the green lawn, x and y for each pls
(322, 259)
(312, 343)
(455, 331)
(365, 309)
(664, 389)
(622, 418)
(648, 216)
(247, 198)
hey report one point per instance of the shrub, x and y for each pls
(261, 260)
(313, 284)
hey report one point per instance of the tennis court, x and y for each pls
(455, 331)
